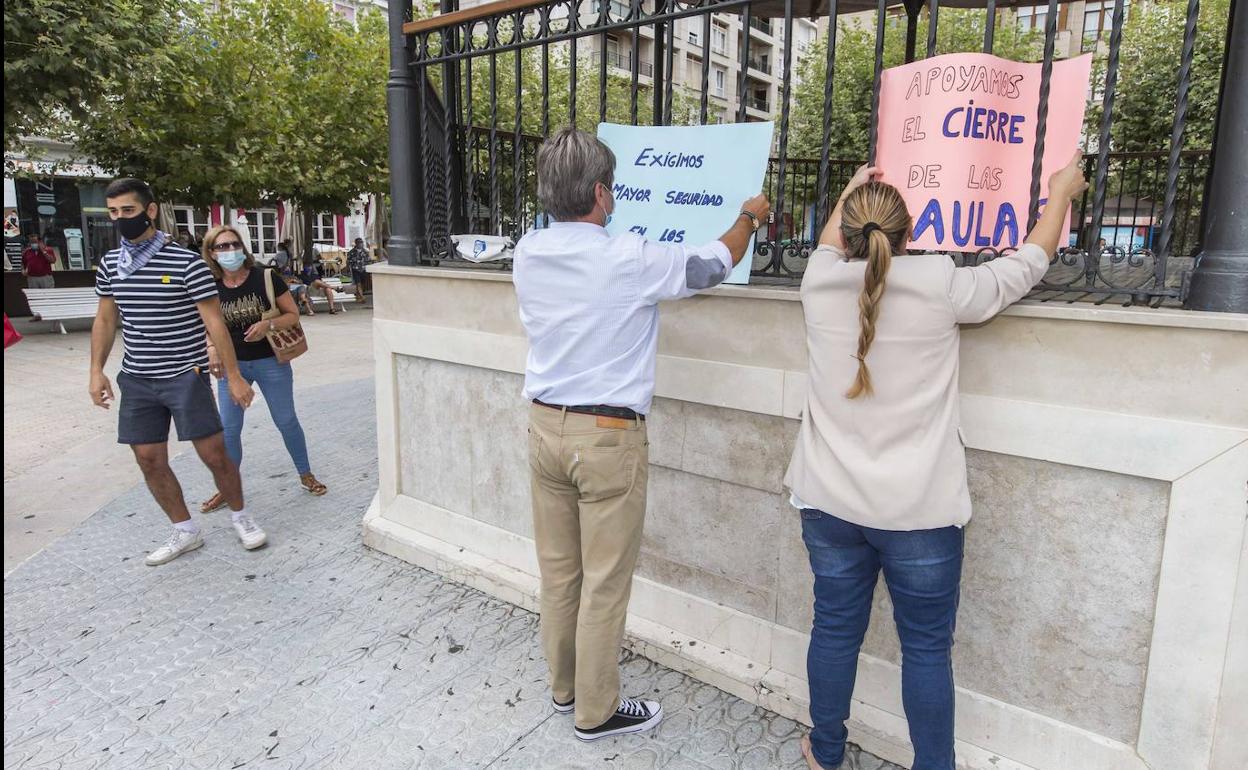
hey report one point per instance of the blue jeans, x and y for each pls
(922, 569)
(277, 383)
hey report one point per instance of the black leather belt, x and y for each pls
(598, 410)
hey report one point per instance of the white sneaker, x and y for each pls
(178, 543)
(249, 532)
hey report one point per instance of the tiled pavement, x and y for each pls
(314, 652)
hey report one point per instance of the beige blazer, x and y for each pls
(894, 460)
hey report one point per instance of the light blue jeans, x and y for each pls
(277, 383)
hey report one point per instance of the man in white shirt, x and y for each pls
(589, 304)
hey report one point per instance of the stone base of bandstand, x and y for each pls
(1104, 620)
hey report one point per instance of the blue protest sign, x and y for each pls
(686, 184)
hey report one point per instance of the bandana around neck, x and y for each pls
(135, 255)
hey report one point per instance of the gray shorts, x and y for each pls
(148, 403)
(40, 282)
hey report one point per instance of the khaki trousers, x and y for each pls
(589, 503)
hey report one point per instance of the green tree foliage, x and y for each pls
(1148, 77)
(1144, 109)
(257, 99)
(957, 30)
(62, 57)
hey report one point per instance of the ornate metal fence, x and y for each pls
(498, 71)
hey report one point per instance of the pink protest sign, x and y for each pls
(956, 136)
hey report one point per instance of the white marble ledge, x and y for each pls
(1063, 311)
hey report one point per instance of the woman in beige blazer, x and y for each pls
(879, 471)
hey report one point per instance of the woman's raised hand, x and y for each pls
(864, 174)
(1068, 182)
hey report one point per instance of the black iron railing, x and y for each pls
(1134, 233)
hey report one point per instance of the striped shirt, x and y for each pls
(160, 323)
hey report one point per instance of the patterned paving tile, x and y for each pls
(314, 652)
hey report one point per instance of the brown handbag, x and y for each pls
(288, 344)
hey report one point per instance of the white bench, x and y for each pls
(342, 296)
(60, 305)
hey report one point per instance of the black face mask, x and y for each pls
(132, 227)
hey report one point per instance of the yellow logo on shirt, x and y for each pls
(164, 279)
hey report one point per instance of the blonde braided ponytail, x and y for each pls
(876, 225)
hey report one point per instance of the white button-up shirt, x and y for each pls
(589, 304)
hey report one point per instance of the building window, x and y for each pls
(618, 9)
(325, 230)
(261, 231)
(1032, 18)
(695, 37)
(1098, 18)
(193, 222)
(805, 35)
(719, 38)
(718, 77)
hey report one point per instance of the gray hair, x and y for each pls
(569, 164)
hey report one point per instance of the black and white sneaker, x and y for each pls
(632, 716)
(563, 708)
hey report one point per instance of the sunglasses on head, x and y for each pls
(226, 245)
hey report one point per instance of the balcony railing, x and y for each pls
(757, 103)
(761, 65)
(762, 25)
(624, 61)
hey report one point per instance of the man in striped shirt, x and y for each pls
(166, 299)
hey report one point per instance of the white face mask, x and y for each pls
(606, 213)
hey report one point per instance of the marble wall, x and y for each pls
(1062, 562)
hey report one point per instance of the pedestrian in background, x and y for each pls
(589, 305)
(879, 469)
(37, 263)
(166, 299)
(311, 277)
(358, 259)
(298, 290)
(282, 260)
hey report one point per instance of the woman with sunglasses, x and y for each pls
(244, 300)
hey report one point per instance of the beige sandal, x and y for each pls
(214, 503)
(809, 754)
(311, 485)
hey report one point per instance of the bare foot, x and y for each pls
(810, 755)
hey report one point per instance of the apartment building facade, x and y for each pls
(720, 65)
